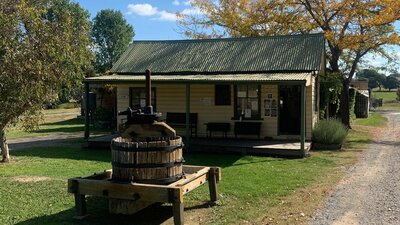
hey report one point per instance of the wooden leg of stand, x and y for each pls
(212, 184)
(80, 205)
(178, 213)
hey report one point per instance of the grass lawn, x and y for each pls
(55, 122)
(391, 106)
(374, 120)
(253, 189)
(385, 95)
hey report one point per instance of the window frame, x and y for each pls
(153, 96)
(235, 106)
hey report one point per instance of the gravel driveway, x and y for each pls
(370, 192)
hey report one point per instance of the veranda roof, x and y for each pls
(216, 78)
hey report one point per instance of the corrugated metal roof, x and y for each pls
(265, 77)
(255, 54)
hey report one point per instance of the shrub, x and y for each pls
(330, 131)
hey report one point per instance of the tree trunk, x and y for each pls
(345, 104)
(4, 146)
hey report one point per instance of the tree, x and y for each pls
(111, 35)
(396, 74)
(43, 44)
(391, 82)
(375, 79)
(352, 28)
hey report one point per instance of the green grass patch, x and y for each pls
(68, 105)
(391, 106)
(33, 186)
(56, 122)
(66, 126)
(250, 186)
(385, 95)
(358, 138)
(374, 120)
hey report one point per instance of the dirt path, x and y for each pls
(370, 192)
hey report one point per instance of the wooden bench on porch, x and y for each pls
(178, 120)
(217, 127)
(247, 128)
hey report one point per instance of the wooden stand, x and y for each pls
(142, 195)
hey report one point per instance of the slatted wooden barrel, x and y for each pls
(147, 160)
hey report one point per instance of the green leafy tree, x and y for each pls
(352, 28)
(43, 44)
(375, 79)
(330, 89)
(397, 75)
(391, 82)
(111, 35)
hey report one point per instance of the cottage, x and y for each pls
(247, 88)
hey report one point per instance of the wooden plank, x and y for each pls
(196, 172)
(100, 176)
(192, 169)
(194, 183)
(105, 188)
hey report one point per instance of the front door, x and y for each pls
(289, 109)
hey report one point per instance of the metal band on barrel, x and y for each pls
(151, 149)
(147, 165)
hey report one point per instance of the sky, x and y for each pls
(156, 20)
(151, 19)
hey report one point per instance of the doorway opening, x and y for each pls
(289, 109)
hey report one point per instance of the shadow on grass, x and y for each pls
(229, 160)
(68, 126)
(71, 125)
(210, 159)
(97, 209)
(104, 155)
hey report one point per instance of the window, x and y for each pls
(247, 101)
(222, 94)
(138, 98)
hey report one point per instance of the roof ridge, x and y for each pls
(230, 38)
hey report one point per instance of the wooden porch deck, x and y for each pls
(227, 145)
(284, 148)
